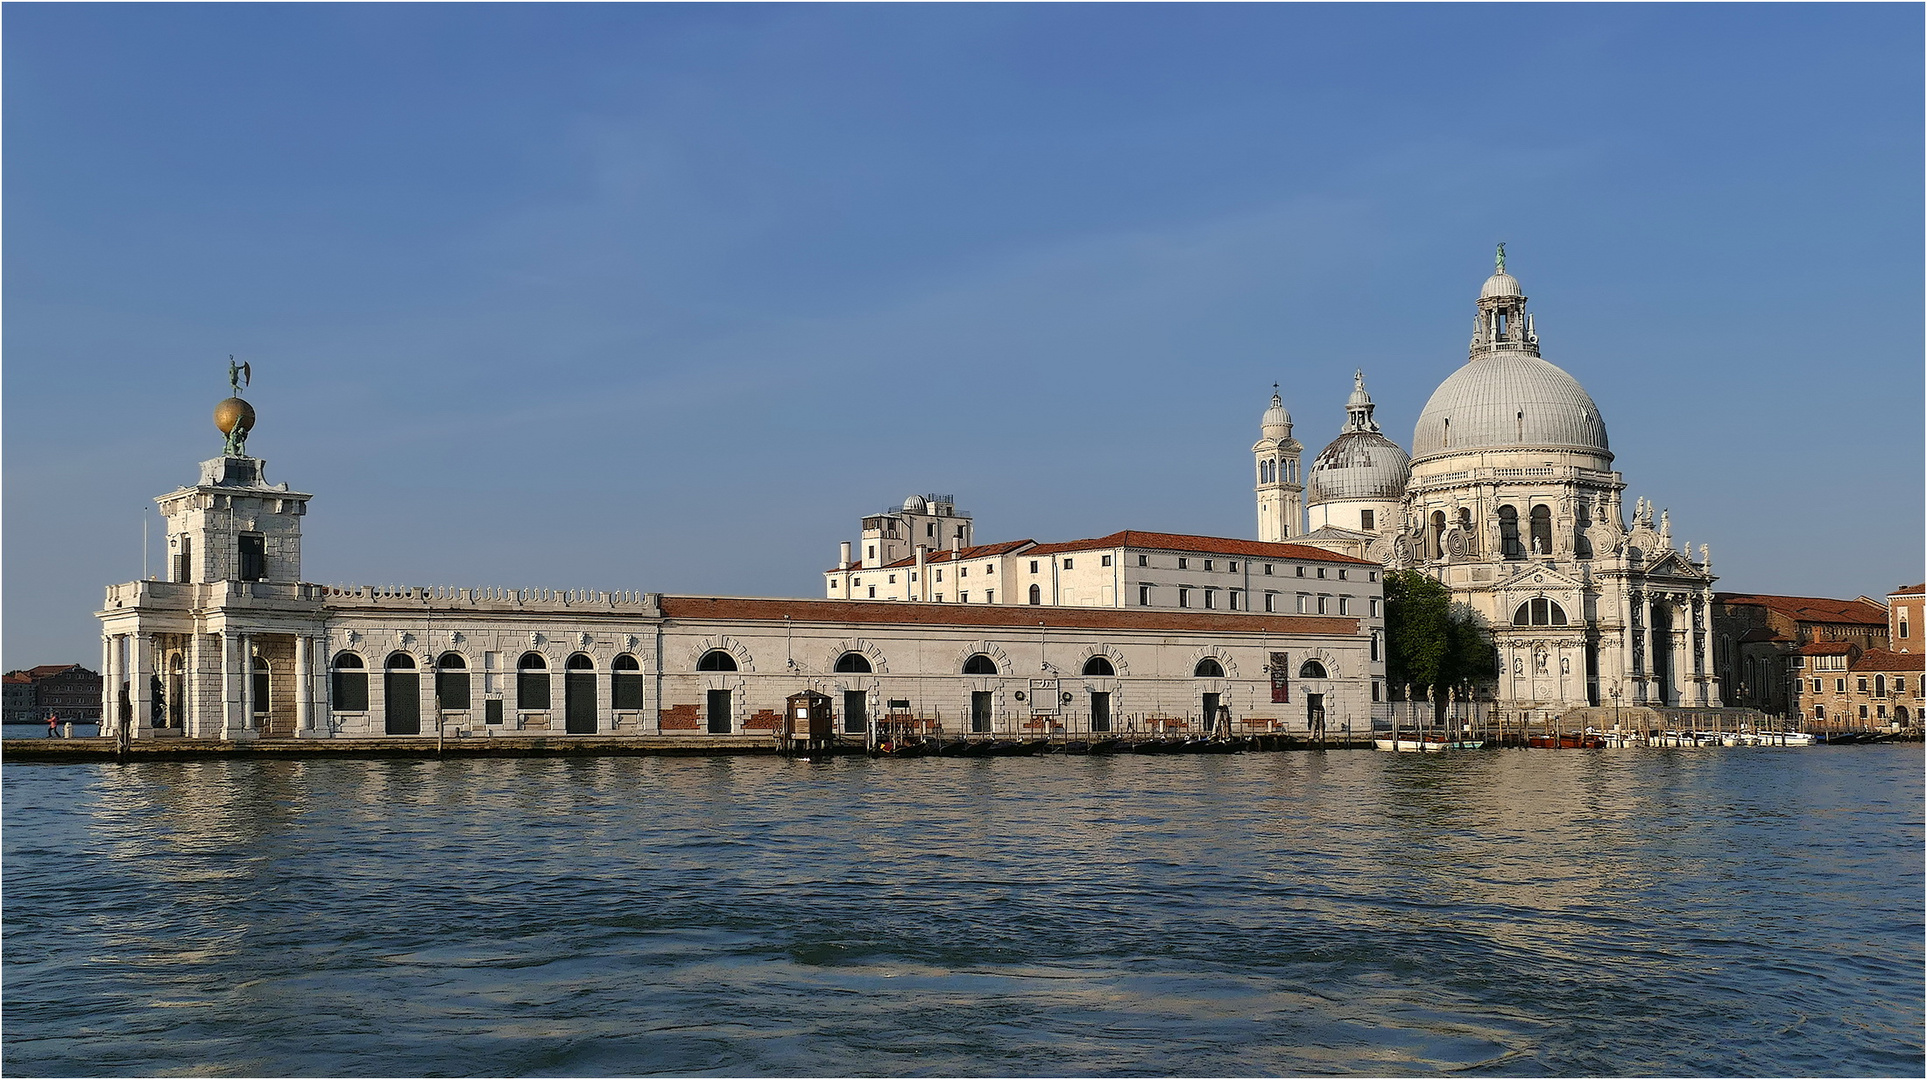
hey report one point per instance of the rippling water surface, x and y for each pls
(1579, 912)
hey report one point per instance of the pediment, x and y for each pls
(1541, 579)
(1674, 564)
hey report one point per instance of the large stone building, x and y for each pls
(1144, 632)
(1510, 498)
(1756, 635)
(67, 692)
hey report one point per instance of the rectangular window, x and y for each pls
(1106, 560)
(1144, 560)
(1207, 564)
(254, 557)
(1863, 684)
(184, 567)
(1375, 690)
(963, 597)
(1900, 684)
(1231, 567)
(451, 690)
(1880, 711)
(1184, 597)
(1863, 712)
(492, 711)
(1341, 575)
(873, 551)
(1210, 599)
(1067, 564)
(1033, 566)
(1344, 605)
(1839, 686)
(1300, 569)
(1816, 686)
(1324, 602)
(873, 592)
(1143, 596)
(1304, 603)
(1365, 525)
(1375, 602)
(939, 575)
(1236, 604)
(1271, 601)
(913, 576)
(893, 580)
(625, 690)
(939, 598)
(1267, 568)
(990, 596)
(1183, 563)
(963, 571)
(1321, 571)
(1819, 712)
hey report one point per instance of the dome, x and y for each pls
(1276, 422)
(914, 504)
(1508, 399)
(1358, 465)
(1500, 284)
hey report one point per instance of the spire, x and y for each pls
(1358, 407)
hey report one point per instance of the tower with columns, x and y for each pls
(1281, 493)
(227, 642)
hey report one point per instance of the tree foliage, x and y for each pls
(1431, 642)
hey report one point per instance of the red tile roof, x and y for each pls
(1888, 660)
(17, 677)
(944, 555)
(1759, 633)
(45, 670)
(1203, 545)
(1818, 609)
(1828, 648)
(881, 612)
(1909, 590)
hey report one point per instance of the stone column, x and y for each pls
(232, 703)
(140, 683)
(1714, 696)
(431, 702)
(1682, 645)
(303, 688)
(108, 685)
(321, 689)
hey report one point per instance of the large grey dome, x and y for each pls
(1358, 465)
(1506, 399)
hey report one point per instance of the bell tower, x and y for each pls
(1281, 491)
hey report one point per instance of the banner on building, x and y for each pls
(1280, 677)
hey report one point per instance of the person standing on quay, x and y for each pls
(53, 726)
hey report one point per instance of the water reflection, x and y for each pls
(1576, 912)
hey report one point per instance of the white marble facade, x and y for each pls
(1511, 500)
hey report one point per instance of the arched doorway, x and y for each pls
(401, 695)
(578, 695)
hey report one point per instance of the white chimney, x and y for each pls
(843, 562)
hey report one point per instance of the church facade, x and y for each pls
(1509, 497)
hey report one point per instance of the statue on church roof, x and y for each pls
(234, 417)
(1499, 260)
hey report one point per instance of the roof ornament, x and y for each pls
(233, 417)
(1499, 259)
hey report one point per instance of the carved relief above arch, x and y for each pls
(990, 649)
(862, 647)
(1107, 651)
(1221, 655)
(722, 644)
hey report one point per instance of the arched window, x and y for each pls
(451, 682)
(401, 695)
(716, 660)
(625, 684)
(1311, 669)
(1539, 611)
(1900, 713)
(1208, 668)
(853, 663)
(1374, 646)
(1509, 545)
(1098, 665)
(1582, 520)
(532, 682)
(177, 689)
(980, 665)
(1036, 595)
(1435, 540)
(350, 679)
(260, 687)
(1542, 530)
(579, 662)
(1879, 686)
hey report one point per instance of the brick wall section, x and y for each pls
(764, 719)
(679, 718)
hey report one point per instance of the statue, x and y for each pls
(237, 376)
(237, 442)
(1499, 261)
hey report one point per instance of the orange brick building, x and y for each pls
(1837, 685)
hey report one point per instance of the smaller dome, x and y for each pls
(1358, 465)
(914, 504)
(1277, 422)
(1500, 284)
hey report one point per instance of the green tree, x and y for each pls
(1430, 641)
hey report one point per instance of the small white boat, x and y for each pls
(1425, 746)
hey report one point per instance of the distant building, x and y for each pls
(1755, 635)
(68, 691)
(1903, 618)
(1838, 685)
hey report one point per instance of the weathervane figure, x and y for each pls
(235, 417)
(241, 375)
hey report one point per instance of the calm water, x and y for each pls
(1578, 912)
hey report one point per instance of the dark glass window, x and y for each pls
(853, 663)
(716, 660)
(350, 683)
(1209, 668)
(532, 682)
(1311, 669)
(625, 689)
(451, 682)
(1098, 665)
(254, 557)
(980, 665)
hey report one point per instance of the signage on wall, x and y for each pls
(1280, 677)
(1043, 695)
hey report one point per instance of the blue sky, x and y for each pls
(665, 297)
